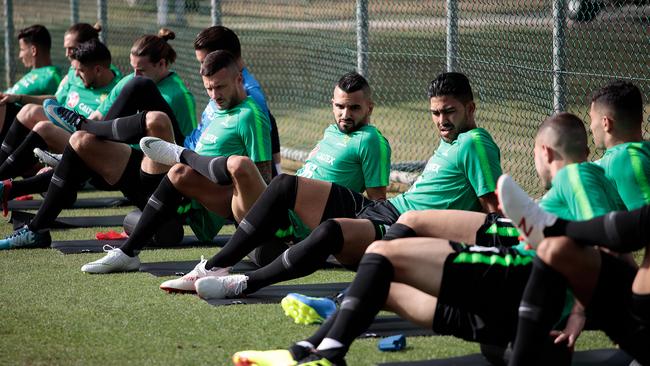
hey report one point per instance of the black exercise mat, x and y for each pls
(180, 268)
(21, 218)
(385, 326)
(105, 202)
(96, 246)
(609, 357)
(273, 294)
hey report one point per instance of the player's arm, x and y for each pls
(265, 170)
(489, 202)
(376, 193)
(24, 98)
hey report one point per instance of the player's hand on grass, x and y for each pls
(574, 326)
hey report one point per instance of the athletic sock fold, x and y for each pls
(66, 180)
(162, 204)
(213, 168)
(129, 129)
(398, 231)
(22, 158)
(15, 135)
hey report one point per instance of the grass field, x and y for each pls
(53, 314)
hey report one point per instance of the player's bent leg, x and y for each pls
(358, 234)
(248, 184)
(31, 114)
(311, 198)
(55, 137)
(158, 124)
(641, 283)
(455, 225)
(411, 304)
(580, 265)
(418, 262)
(106, 158)
(191, 184)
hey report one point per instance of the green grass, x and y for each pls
(53, 314)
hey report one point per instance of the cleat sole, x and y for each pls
(300, 312)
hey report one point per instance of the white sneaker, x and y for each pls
(161, 151)
(526, 215)
(221, 287)
(186, 283)
(47, 157)
(114, 261)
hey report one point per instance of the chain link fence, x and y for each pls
(525, 58)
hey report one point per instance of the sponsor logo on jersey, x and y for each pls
(326, 158)
(102, 97)
(432, 167)
(344, 141)
(73, 99)
(85, 108)
(208, 138)
(313, 152)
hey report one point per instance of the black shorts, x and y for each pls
(343, 203)
(497, 231)
(611, 309)
(480, 293)
(381, 213)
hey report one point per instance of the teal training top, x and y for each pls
(174, 92)
(241, 130)
(456, 175)
(83, 100)
(355, 160)
(40, 81)
(628, 167)
(73, 80)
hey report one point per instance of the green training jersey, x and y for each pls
(628, 167)
(71, 79)
(83, 100)
(240, 130)
(456, 175)
(174, 92)
(581, 192)
(40, 81)
(354, 160)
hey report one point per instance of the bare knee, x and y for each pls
(29, 113)
(383, 247)
(158, 124)
(557, 250)
(81, 141)
(240, 167)
(179, 174)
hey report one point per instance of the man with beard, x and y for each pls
(460, 175)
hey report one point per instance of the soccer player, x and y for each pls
(471, 292)
(151, 87)
(239, 128)
(91, 61)
(461, 175)
(356, 158)
(42, 79)
(616, 114)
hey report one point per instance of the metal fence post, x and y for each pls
(559, 56)
(215, 12)
(102, 16)
(452, 35)
(362, 37)
(10, 67)
(163, 10)
(74, 11)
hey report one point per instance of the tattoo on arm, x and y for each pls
(265, 170)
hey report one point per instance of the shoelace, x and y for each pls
(22, 234)
(108, 248)
(72, 117)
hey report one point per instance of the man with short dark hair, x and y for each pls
(471, 292)
(460, 175)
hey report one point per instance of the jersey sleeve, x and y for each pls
(24, 86)
(258, 96)
(184, 108)
(631, 177)
(375, 152)
(193, 137)
(587, 195)
(255, 132)
(480, 159)
(62, 91)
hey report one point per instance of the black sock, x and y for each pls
(620, 231)
(301, 259)
(268, 214)
(365, 297)
(36, 184)
(213, 168)
(541, 307)
(128, 129)
(162, 204)
(66, 180)
(15, 135)
(22, 158)
(398, 231)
